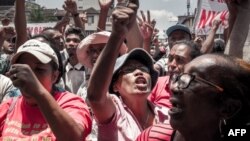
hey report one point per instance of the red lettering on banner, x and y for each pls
(40, 30)
(219, 1)
(207, 18)
(203, 18)
(223, 17)
(36, 30)
(29, 29)
(210, 17)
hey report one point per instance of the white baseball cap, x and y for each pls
(42, 51)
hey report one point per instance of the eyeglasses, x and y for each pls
(129, 69)
(185, 79)
(95, 49)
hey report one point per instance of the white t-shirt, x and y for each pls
(74, 77)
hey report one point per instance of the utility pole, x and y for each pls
(188, 7)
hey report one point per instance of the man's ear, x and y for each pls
(55, 76)
(230, 108)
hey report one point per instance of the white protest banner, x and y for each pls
(36, 28)
(207, 11)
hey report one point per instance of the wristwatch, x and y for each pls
(76, 14)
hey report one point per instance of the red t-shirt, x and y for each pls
(161, 92)
(25, 122)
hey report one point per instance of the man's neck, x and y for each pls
(73, 61)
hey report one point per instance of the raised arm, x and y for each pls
(236, 45)
(208, 44)
(233, 11)
(147, 29)
(71, 7)
(61, 25)
(83, 17)
(20, 23)
(104, 6)
(134, 38)
(98, 96)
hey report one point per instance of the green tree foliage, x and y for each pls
(37, 15)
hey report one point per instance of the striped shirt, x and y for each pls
(157, 132)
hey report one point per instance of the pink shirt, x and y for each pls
(157, 132)
(124, 125)
(161, 92)
(25, 122)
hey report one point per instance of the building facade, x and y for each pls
(91, 7)
(86, 4)
(7, 2)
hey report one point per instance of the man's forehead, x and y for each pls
(72, 36)
(57, 35)
(178, 33)
(180, 49)
(200, 64)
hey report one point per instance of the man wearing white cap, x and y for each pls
(42, 112)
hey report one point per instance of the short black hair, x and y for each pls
(49, 32)
(75, 30)
(195, 49)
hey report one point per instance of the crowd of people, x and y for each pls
(124, 84)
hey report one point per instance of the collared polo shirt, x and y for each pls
(74, 77)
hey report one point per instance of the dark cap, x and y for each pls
(181, 27)
(138, 54)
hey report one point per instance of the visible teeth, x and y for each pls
(141, 81)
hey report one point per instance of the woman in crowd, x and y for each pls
(41, 113)
(124, 111)
(118, 89)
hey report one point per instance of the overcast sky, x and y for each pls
(164, 11)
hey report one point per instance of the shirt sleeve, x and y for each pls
(119, 113)
(78, 110)
(117, 122)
